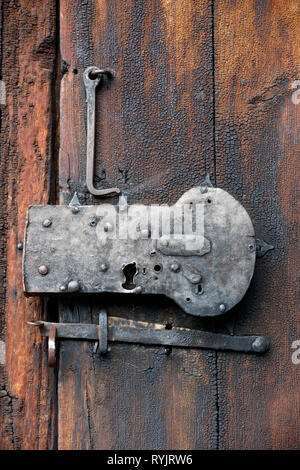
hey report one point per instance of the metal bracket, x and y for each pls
(114, 329)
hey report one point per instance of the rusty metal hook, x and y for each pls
(92, 76)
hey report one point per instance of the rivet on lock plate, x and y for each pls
(200, 252)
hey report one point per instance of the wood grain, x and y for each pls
(154, 141)
(160, 129)
(257, 129)
(28, 55)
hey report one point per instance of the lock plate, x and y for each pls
(204, 263)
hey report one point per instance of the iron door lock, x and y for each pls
(143, 249)
(78, 250)
(200, 252)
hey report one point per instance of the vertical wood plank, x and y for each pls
(154, 141)
(28, 57)
(257, 127)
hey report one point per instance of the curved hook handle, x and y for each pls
(92, 76)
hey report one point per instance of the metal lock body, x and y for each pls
(205, 268)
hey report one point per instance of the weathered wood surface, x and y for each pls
(159, 57)
(155, 140)
(258, 130)
(28, 52)
(160, 129)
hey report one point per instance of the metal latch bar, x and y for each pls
(115, 329)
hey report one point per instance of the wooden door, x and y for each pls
(199, 87)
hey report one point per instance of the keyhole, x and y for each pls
(129, 271)
(199, 289)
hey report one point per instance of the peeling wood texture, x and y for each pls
(27, 61)
(258, 130)
(154, 123)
